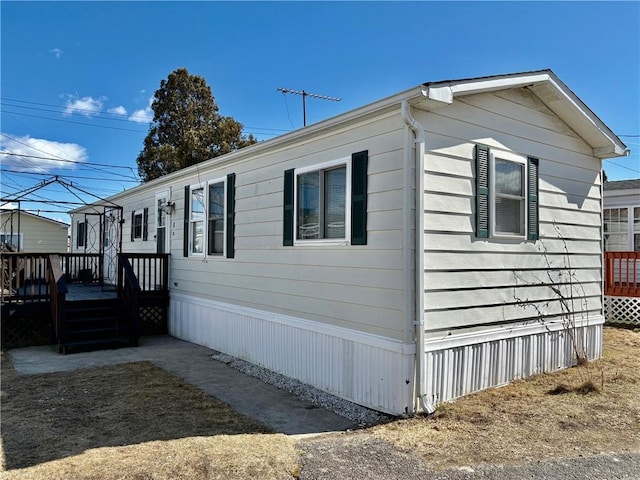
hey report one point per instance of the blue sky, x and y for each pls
(77, 77)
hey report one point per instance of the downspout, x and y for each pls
(420, 141)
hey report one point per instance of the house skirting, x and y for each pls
(366, 369)
(622, 310)
(461, 364)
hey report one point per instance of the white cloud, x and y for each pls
(56, 52)
(38, 154)
(119, 110)
(144, 115)
(84, 106)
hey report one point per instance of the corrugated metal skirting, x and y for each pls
(369, 370)
(457, 371)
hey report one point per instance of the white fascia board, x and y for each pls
(555, 94)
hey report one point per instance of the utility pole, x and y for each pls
(304, 103)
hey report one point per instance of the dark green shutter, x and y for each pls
(133, 222)
(359, 198)
(287, 229)
(482, 191)
(185, 238)
(533, 221)
(231, 208)
(145, 225)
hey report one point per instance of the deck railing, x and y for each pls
(151, 270)
(622, 274)
(23, 277)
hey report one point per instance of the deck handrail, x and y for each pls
(129, 290)
(57, 293)
(622, 274)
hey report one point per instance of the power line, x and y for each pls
(74, 123)
(622, 166)
(82, 177)
(58, 159)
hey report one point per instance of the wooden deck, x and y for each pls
(71, 304)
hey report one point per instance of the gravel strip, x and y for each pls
(362, 416)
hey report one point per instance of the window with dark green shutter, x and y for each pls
(482, 191)
(506, 195)
(287, 223)
(231, 210)
(185, 233)
(317, 204)
(533, 232)
(209, 218)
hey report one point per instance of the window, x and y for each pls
(216, 219)
(210, 218)
(137, 225)
(621, 229)
(506, 195)
(196, 232)
(14, 239)
(81, 233)
(321, 209)
(140, 224)
(327, 203)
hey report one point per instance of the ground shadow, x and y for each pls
(57, 415)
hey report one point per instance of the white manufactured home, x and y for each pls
(399, 255)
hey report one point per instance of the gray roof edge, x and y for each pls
(630, 184)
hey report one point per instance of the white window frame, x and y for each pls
(522, 161)
(630, 228)
(205, 226)
(346, 162)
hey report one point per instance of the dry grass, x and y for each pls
(131, 421)
(583, 410)
(137, 422)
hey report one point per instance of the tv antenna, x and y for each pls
(304, 95)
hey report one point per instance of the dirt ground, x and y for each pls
(136, 421)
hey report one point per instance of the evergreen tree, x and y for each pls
(186, 127)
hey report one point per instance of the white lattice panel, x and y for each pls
(625, 310)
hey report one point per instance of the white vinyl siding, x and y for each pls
(359, 287)
(493, 281)
(35, 234)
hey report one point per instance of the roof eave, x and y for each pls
(553, 93)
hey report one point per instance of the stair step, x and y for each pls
(130, 339)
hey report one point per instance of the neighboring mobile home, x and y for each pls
(28, 232)
(621, 222)
(398, 255)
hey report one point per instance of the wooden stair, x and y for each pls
(91, 324)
